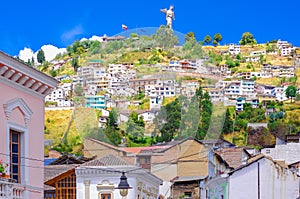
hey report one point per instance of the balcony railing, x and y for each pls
(10, 190)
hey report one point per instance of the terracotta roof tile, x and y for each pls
(233, 156)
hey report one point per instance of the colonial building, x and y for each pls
(22, 102)
(100, 178)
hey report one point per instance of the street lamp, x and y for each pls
(123, 185)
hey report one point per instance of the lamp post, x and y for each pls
(123, 185)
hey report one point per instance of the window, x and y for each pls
(15, 158)
(105, 196)
(187, 194)
(66, 187)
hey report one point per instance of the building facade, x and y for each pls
(22, 127)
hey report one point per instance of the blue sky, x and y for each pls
(33, 24)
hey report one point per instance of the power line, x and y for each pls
(22, 157)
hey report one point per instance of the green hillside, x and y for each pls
(149, 54)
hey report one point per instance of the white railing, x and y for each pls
(10, 190)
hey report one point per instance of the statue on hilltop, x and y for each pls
(169, 15)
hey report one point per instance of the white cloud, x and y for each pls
(96, 38)
(49, 50)
(26, 54)
(70, 34)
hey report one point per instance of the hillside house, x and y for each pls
(139, 84)
(287, 50)
(254, 58)
(189, 87)
(155, 101)
(256, 53)
(95, 101)
(279, 93)
(22, 125)
(242, 100)
(234, 49)
(216, 95)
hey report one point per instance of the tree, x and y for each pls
(168, 119)
(217, 38)
(247, 38)
(78, 90)
(135, 125)
(290, 92)
(228, 123)
(197, 52)
(75, 63)
(187, 46)
(205, 107)
(165, 37)
(95, 47)
(190, 37)
(112, 119)
(41, 56)
(207, 39)
(136, 119)
(190, 116)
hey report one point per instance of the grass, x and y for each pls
(146, 70)
(168, 100)
(56, 124)
(57, 121)
(269, 81)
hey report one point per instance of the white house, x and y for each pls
(260, 177)
(59, 95)
(289, 152)
(234, 49)
(148, 116)
(286, 50)
(279, 93)
(256, 53)
(99, 179)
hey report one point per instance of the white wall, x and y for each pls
(289, 152)
(275, 182)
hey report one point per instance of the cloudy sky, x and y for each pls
(29, 25)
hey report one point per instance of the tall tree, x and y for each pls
(112, 119)
(217, 38)
(207, 39)
(32, 61)
(75, 63)
(41, 56)
(168, 120)
(228, 123)
(290, 92)
(247, 38)
(205, 107)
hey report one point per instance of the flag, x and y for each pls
(124, 27)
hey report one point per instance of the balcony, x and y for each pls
(10, 190)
